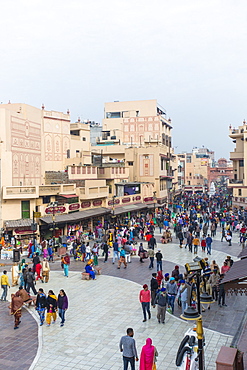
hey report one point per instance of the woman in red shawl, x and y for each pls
(38, 269)
(148, 356)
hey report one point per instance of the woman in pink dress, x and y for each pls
(148, 356)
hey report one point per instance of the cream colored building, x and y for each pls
(139, 134)
(239, 160)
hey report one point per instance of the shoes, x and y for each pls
(149, 316)
(41, 324)
(225, 305)
(159, 321)
(48, 324)
(125, 267)
(163, 322)
(53, 322)
(220, 305)
(208, 307)
(153, 306)
(113, 263)
(16, 327)
(119, 268)
(61, 324)
(144, 320)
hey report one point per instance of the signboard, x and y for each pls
(37, 214)
(97, 203)
(54, 210)
(148, 199)
(23, 230)
(126, 200)
(85, 204)
(74, 206)
(116, 201)
(138, 197)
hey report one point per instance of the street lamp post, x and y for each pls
(154, 197)
(191, 313)
(53, 205)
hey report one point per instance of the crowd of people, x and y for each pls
(192, 225)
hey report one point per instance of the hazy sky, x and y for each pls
(77, 54)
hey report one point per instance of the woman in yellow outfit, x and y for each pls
(51, 304)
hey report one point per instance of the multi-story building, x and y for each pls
(139, 133)
(238, 183)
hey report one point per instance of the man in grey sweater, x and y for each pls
(127, 345)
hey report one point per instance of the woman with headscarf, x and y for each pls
(148, 356)
(160, 277)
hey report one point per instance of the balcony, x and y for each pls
(234, 182)
(20, 192)
(93, 192)
(113, 172)
(234, 156)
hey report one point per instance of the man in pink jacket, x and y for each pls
(144, 298)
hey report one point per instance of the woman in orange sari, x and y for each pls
(148, 356)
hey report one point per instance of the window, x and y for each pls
(88, 170)
(239, 191)
(130, 163)
(241, 163)
(113, 115)
(137, 113)
(84, 139)
(46, 199)
(73, 170)
(83, 170)
(78, 170)
(25, 209)
(93, 170)
(188, 159)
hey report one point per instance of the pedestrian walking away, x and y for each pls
(171, 289)
(62, 304)
(144, 298)
(159, 257)
(148, 356)
(128, 347)
(4, 285)
(161, 300)
(154, 287)
(66, 263)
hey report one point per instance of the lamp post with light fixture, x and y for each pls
(192, 313)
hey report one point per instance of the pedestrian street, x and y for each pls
(99, 313)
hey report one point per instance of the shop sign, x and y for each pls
(53, 210)
(23, 230)
(85, 204)
(126, 200)
(111, 203)
(97, 203)
(138, 197)
(148, 199)
(74, 206)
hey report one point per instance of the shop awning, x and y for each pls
(23, 222)
(237, 272)
(76, 216)
(129, 208)
(68, 196)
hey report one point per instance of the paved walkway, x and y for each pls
(101, 310)
(99, 313)
(18, 347)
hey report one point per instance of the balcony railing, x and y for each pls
(234, 181)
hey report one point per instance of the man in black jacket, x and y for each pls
(41, 305)
(30, 281)
(154, 287)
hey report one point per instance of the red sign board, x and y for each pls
(97, 203)
(148, 199)
(116, 201)
(54, 210)
(138, 197)
(85, 204)
(74, 206)
(125, 200)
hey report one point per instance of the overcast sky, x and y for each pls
(78, 54)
